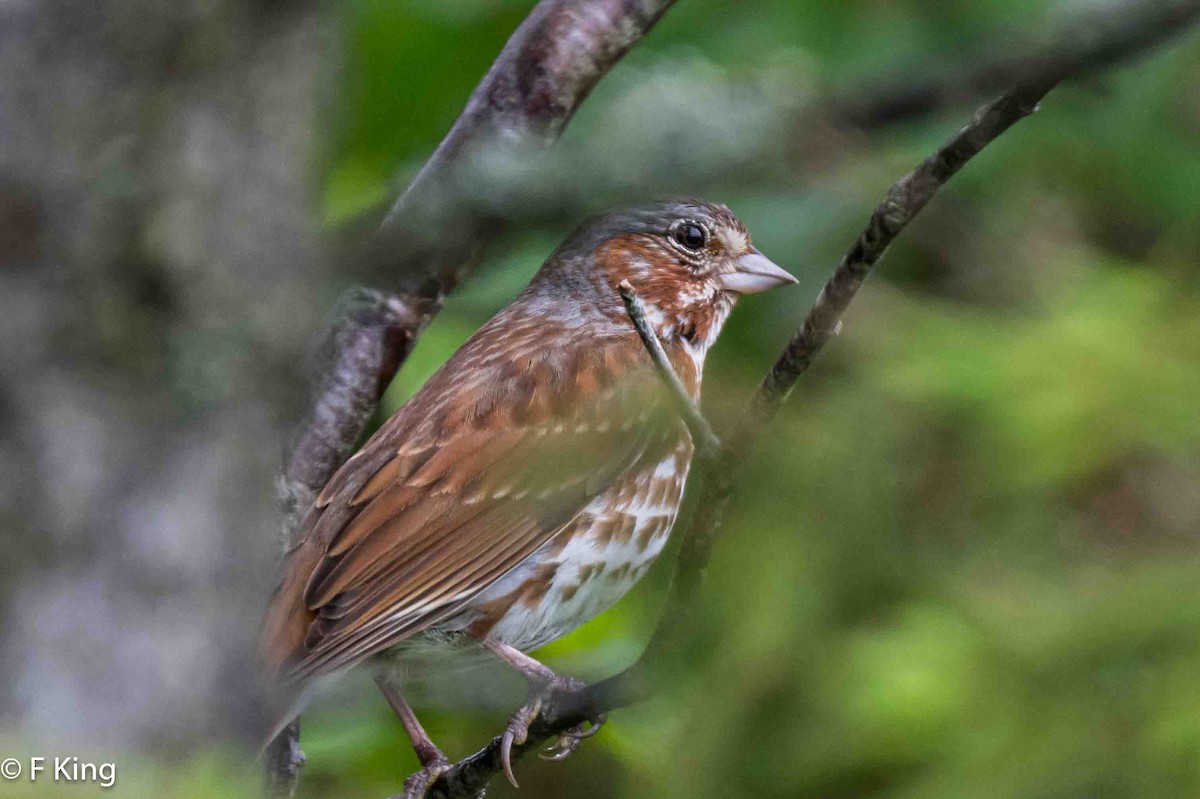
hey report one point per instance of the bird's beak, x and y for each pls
(755, 272)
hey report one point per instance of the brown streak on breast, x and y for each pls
(650, 531)
(591, 570)
(560, 541)
(602, 531)
(685, 367)
(490, 614)
(616, 529)
(619, 573)
(534, 589)
(529, 594)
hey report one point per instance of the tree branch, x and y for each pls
(707, 443)
(1085, 43)
(431, 238)
(433, 233)
(1145, 25)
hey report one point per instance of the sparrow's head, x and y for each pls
(687, 259)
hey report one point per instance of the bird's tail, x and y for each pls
(284, 706)
(281, 642)
(288, 617)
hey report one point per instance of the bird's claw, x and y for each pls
(579, 733)
(569, 740)
(517, 731)
(417, 785)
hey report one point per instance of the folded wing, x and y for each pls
(496, 454)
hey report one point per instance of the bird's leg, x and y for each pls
(433, 762)
(543, 682)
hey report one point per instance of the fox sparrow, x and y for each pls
(531, 481)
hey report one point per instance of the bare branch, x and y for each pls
(707, 443)
(1085, 43)
(903, 202)
(429, 241)
(354, 364)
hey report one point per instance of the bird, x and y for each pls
(529, 483)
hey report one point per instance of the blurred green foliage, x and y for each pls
(964, 563)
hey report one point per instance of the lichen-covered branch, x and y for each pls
(354, 363)
(431, 238)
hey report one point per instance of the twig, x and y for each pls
(429, 241)
(707, 443)
(283, 760)
(1086, 42)
(903, 202)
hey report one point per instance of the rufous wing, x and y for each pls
(457, 489)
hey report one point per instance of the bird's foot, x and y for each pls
(416, 786)
(568, 741)
(517, 730)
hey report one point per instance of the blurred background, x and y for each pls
(965, 563)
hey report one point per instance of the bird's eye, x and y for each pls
(691, 236)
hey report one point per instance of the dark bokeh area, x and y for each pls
(963, 563)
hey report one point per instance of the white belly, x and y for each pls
(608, 547)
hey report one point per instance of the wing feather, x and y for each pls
(382, 582)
